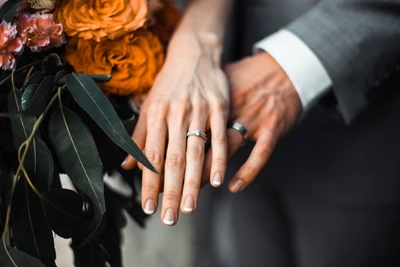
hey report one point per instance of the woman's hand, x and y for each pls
(190, 93)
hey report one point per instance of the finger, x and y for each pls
(174, 172)
(219, 144)
(139, 137)
(235, 141)
(155, 144)
(256, 161)
(194, 164)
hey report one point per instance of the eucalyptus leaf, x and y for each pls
(101, 77)
(19, 258)
(64, 212)
(31, 232)
(8, 9)
(90, 255)
(40, 97)
(27, 96)
(21, 127)
(87, 94)
(39, 158)
(35, 78)
(78, 156)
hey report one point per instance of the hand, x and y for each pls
(190, 93)
(264, 100)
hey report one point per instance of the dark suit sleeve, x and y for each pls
(358, 42)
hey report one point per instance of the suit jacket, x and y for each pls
(358, 42)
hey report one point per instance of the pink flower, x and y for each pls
(39, 32)
(9, 43)
(2, 2)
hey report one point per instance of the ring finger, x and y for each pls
(194, 165)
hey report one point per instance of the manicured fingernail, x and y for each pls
(237, 186)
(189, 204)
(123, 163)
(149, 207)
(169, 217)
(217, 179)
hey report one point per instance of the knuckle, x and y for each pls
(265, 151)
(192, 184)
(154, 157)
(220, 104)
(175, 161)
(220, 137)
(195, 151)
(150, 189)
(221, 162)
(156, 111)
(171, 196)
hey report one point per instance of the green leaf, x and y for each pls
(38, 101)
(78, 156)
(64, 212)
(35, 78)
(19, 258)
(15, 115)
(39, 158)
(90, 255)
(31, 232)
(96, 104)
(52, 64)
(27, 96)
(21, 127)
(8, 9)
(100, 77)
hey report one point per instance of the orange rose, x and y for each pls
(133, 61)
(165, 22)
(101, 19)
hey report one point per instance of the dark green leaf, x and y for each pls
(78, 156)
(96, 104)
(8, 9)
(15, 115)
(19, 258)
(39, 158)
(31, 232)
(60, 78)
(21, 127)
(52, 64)
(35, 78)
(39, 100)
(101, 77)
(90, 255)
(64, 212)
(27, 96)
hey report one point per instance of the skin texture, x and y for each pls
(190, 93)
(264, 100)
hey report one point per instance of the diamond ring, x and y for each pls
(197, 133)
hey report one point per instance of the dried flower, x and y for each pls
(9, 43)
(39, 32)
(43, 5)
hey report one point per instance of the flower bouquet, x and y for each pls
(73, 73)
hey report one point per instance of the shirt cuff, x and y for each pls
(302, 66)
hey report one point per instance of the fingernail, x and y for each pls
(149, 207)
(237, 186)
(169, 217)
(189, 204)
(123, 163)
(217, 179)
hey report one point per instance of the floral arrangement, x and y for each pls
(70, 71)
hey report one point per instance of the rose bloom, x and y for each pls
(43, 5)
(9, 43)
(101, 19)
(39, 32)
(132, 60)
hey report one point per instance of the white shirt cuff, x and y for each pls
(300, 63)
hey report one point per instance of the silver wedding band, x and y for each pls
(240, 128)
(197, 133)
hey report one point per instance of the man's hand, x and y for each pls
(264, 100)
